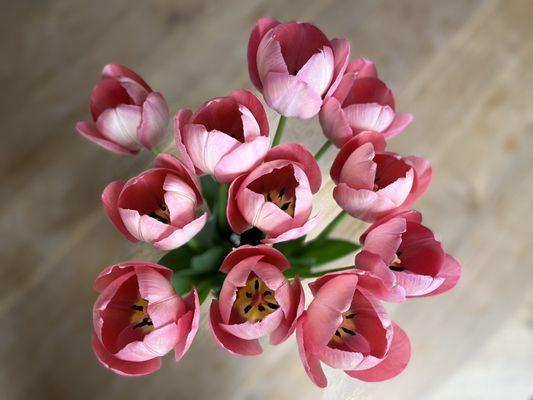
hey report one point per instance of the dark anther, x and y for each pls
(273, 306)
(399, 254)
(158, 217)
(163, 207)
(249, 295)
(247, 309)
(145, 322)
(285, 206)
(348, 331)
(397, 268)
(281, 192)
(267, 293)
(256, 285)
(261, 308)
(350, 316)
(137, 308)
(337, 334)
(269, 198)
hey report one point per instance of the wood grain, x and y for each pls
(462, 67)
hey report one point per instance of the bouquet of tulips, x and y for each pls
(234, 208)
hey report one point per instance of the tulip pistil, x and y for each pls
(255, 300)
(140, 318)
(162, 214)
(280, 198)
(346, 328)
(396, 263)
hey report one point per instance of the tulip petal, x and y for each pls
(422, 178)
(450, 273)
(368, 117)
(287, 327)
(290, 96)
(120, 125)
(107, 94)
(113, 272)
(333, 122)
(395, 361)
(110, 197)
(89, 131)
(144, 227)
(254, 330)
(188, 325)
(117, 71)
(293, 233)
(181, 119)
(228, 342)
(262, 26)
(241, 159)
(363, 68)
(155, 117)
(235, 219)
(121, 367)
(399, 123)
(363, 204)
(180, 236)
(252, 103)
(155, 344)
(341, 52)
(384, 239)
(310, 362)
(318, 70)
(269, 255)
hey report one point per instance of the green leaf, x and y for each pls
(209, 260)
(291, 247)
(178, 259)
(182, 284)
(210, 189)
(203, 288)
(324, 251)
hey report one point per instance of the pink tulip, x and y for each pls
(225, 137)
(138, 318)
(346, 328)
(362, 102)
(276, 196)
(159, 206)
(295, 65)
(372, 182)
(127, 114)
(255, 300)
(405, 254)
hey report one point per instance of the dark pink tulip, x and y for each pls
(361, 102)
(138, 318)
(255, 300)
(127, 113)
(372, 182)
(405, 254)
(276, 196)
(295, 65)
(346, 328)
(159, 206)
(225, 137)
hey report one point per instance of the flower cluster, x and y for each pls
(233, 209)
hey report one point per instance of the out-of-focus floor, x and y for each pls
(463, 67)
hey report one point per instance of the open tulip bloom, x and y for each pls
(232, 209)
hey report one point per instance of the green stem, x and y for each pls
(193, 244)
(318, 274)
(332, 225)
(222, 202)
(322, 150)
(156, 151)
(279, 131)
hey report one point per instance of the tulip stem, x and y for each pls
(332, 225)
(155, 150)
(322, 150)
(279, 130)
(222, 202)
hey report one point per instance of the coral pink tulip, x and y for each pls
(225, 137)
(159, 206)
(346, 328)
(295, 65)
(276, 196)
(372, 182)
(361, 102)
(404, 253)
(127, 114)
(255, 300)
(138, 318)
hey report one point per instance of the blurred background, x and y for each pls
(462, 67)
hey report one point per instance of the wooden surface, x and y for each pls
(463, 68)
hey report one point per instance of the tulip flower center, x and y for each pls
(140, 318)
(161, 213)
(281, 199)
(255, 300)
(395, 265)
(346, 328)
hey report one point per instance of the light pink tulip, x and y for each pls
(295, 65)
(405, 254)
(255, 300)
(276, 196)
(225, 137)
(347, 328)
(159, 206)
(138, 318)
(361, 102)
(372, 182)
(127, 113)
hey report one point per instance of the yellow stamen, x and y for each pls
(255, 300)
(346, 328)
(280, 198)
(140, 318)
